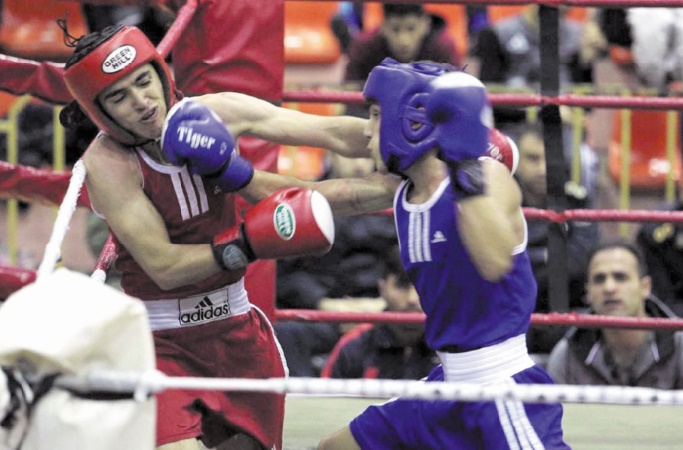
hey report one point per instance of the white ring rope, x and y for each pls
(152, 382)
(64, 215)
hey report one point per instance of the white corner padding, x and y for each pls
(68, 323)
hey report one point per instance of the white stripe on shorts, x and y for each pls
(519, 433)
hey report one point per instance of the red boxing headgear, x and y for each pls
(126, 50)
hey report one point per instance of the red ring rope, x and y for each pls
(564, 319)
(586, 101)
(36, 185)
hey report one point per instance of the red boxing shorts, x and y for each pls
(243, 346)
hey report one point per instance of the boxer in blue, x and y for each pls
(462, 236)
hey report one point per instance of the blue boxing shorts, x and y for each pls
(440, 424)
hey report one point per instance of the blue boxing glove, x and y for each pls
(194, 135)
(458, 108)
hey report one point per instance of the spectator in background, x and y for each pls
(662, 247)
(509, 51)
(347, 23)
(614, 26)
(531, 176)
(407, 33)
(387, 351)
(618, 286)
(477, 20)
(350, 269)
(154, 21)
(509, 54)
(657, 46)
(647, 43)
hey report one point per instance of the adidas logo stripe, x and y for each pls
(206, 302)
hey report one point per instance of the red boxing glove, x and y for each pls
(467, 177)
(503, 149)
(290, 222)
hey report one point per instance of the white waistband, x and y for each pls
(489, 364)
(228, 301)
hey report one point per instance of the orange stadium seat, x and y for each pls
(649, 164)
(6, 102)
(29, 28)
(498, 12)
(455, 16)
(307, 163)
(308, 33)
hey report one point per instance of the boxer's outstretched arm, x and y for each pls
(246, 115)
(347, 196)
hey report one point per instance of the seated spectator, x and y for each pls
(350, 269)
(347, 23)
(662, 247)
(531, 176)
(617, 33)
(154, 21)
(387, 351)
(477, 20)
(584, 194)
(509, 54)
(407, 33)
(657, 46)
(618, 285)
(646, 43)
(509, 51)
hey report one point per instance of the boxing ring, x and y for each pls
(595, 417)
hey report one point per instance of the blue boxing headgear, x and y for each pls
(400, 91)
